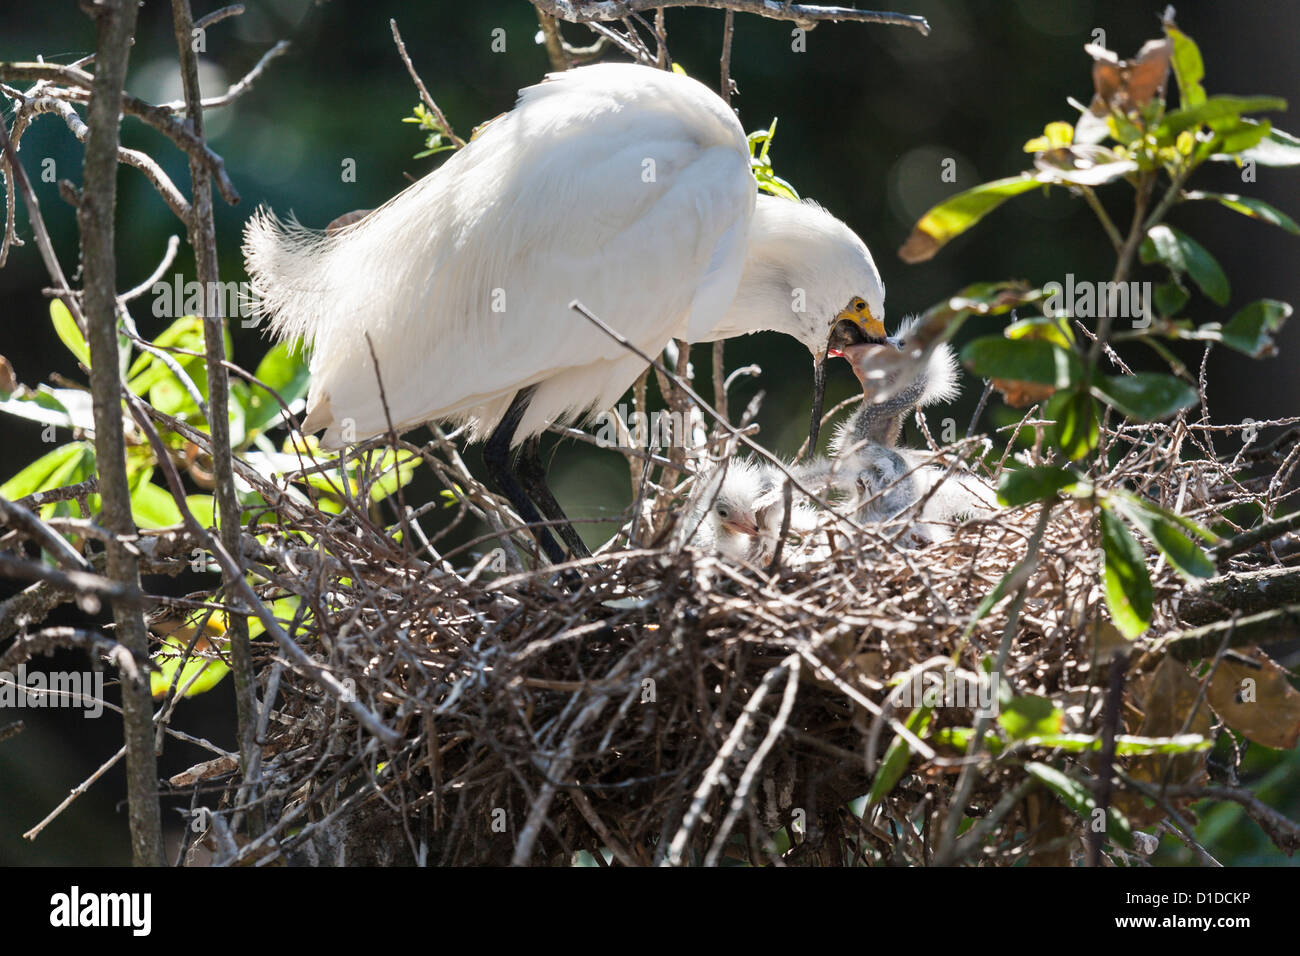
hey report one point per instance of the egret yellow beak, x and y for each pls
(871, 326)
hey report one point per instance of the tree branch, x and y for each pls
(203, 239)
(115, 25)
(1271, 627)
(585, 11)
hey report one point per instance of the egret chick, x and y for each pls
(740, 508)
(884, 481)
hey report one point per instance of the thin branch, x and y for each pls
(238, 89)
(36, 529)
(424, 91)
(203, 239)
(585, 11)
(553, 41)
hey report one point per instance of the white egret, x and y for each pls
(622, 186)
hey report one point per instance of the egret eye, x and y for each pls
(723, 513)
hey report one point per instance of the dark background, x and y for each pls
(867, 115)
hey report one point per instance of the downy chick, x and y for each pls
(882, 480)
(739, 510)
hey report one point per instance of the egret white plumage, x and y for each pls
(621, 186)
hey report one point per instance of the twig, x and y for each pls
(53, 542)
(237, 89)
(585, 11)
(424, 92)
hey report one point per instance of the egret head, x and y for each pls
(809, 275)
(815, 270)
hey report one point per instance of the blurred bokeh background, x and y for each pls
(867, 116)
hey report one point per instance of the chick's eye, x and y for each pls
(723, 512)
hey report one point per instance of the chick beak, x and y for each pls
(741, 526)
(851, 328)
(861, 357)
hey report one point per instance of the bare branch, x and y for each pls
(585, 11)
(116, 26)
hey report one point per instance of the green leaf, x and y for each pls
(1146, 396)
(1183, 254)
(1249, 206)
(1216, 110)
(759, 143)
(1166, 534)
(1251, 330)
(65, 326)
(204, 509)
(1170, 298)
(958, 213)
(1030, 716)
(152, 507)
(1079, 799)
(1076, 431)
(1018, 486)
(1055, 329)
(1126, 583)
(45, 472)
(393, 477)
(1189, 69)
(286, 373)
(1023, 360)
(1233, 138)
(1276, 148)
(1126, 745)
(897, 757)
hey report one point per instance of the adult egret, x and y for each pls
(622, 186)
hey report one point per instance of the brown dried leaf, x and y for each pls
(1166, 698)
(1257, 702)
(1022, 394)
(8, 380)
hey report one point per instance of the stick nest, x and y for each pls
(660, 703)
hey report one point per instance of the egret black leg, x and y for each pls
(532, 475)
(496, 456)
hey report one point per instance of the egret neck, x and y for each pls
(808, 275)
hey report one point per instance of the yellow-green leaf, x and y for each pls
(958, 213)
(69, 333)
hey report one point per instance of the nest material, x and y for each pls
(667, 705)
